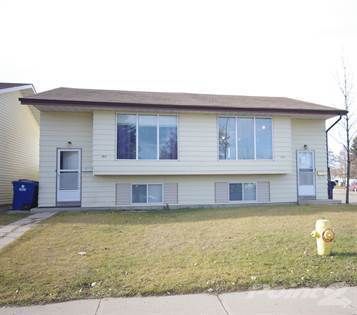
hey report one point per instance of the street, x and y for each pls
(340, 194)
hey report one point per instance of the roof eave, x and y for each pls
(54, 102)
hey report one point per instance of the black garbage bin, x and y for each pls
(331, 185)
(25, 194)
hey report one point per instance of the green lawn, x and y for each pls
(174, 252)
(6, 218)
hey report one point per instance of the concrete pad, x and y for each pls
(166, 305)
(15, 229)
(5, 241)
(7, 229)
(80, 307)
(293, 301)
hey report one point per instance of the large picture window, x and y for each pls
(126, 137)
(147, 146)
(147, 137)
(245, 138)
(167, 137)
(263, 138)
(227, 138)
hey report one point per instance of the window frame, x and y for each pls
(147, 194)
(255, 134)
(242, 183)
(137, 114)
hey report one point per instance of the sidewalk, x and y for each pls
(14, 230)
(324, 301)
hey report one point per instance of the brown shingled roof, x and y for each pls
(90, 97)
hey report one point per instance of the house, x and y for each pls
(101, 148)
(19, 138)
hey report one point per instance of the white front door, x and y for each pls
(69, 176)
(306, 173)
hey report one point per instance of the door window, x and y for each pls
(306, 175)
(68, 175)
(305, 160)
(69, 160)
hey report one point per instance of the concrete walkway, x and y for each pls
(14, 230)
(324, 301)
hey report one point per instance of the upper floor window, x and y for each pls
(245, 138)
(150, 137)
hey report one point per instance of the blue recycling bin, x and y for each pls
(25, 194)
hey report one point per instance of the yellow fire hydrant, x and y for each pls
(324, 237)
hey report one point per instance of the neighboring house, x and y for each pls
(103, 148)
(19, 138)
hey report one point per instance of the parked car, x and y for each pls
(353, 186)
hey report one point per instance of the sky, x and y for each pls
(252, 47)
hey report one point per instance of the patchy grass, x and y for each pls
(177, 252)
(6, 218)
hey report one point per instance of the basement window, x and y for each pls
(242, 192)
(146, 193)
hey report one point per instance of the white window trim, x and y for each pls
(243, 201)
(255, 140)
(137, 136)
(147, 194)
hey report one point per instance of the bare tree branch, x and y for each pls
(345, 85)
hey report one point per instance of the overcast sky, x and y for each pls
(273, 48)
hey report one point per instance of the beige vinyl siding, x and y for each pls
(19, 143)
(221, 192)
(312, 133)
(100, 190)
(197, 150)
(170, 193)
(123, 194)
(57, 128)
(263, 192)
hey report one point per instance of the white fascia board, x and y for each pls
(18, 88)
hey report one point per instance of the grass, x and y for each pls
(176, 252)
(6, 218)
